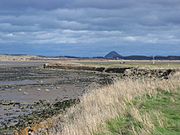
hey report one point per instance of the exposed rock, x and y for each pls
(125, 71)
(150, 73)
(116, 70)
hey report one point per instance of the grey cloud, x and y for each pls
(90, 21)
(100, 4)
(104, 4)
(23, 4)
(55, 4)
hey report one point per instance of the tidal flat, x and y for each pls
(26, 87)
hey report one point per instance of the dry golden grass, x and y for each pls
(101, 105)
(16, 58)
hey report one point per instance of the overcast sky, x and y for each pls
(90, 27)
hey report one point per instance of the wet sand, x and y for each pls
(22, 84)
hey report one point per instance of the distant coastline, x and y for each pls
(112, 55)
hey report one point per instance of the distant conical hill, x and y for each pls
(113, 55)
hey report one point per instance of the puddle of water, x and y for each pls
(21, 82)
(20, 64)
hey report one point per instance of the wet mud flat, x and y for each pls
(26, 88)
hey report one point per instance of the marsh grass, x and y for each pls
(112, 109)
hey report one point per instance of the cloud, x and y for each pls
(90, 22)
(55, 4)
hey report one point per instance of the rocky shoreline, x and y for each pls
(124, 71)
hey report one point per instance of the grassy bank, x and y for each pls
(126, 107)
(156, 115)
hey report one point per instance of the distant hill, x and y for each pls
(113, 55)
(138, 57)
(141, 57)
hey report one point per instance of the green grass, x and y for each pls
(165, 103)
(169, 105)
(122, 125)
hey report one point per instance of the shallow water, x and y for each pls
(21, 82)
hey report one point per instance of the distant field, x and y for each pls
(97, 62)
(131, 63)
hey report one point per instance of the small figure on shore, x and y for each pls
(45, 65)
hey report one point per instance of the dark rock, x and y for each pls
(116, 70)
(150, 73)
